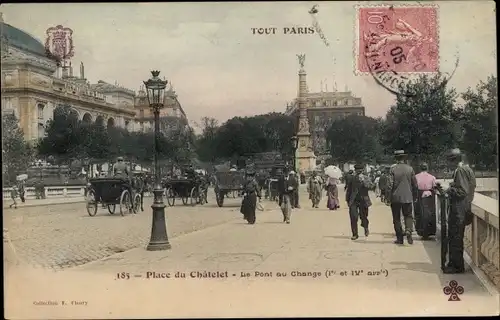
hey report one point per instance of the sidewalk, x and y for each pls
(43, 202)
(320, 261)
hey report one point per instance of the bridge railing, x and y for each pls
(50, 192)
(54, 192)
(481, 241)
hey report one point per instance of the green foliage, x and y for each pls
(17, 154)
(68, 138)
(422, 123)
(480, 125)
(63, 137)
(354, 138)
(241, 136)
(205, 142)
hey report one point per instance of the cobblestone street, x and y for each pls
(255, 263)
(63, 236)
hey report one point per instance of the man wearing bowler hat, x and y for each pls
(358, 200)
(403, 192)
(461, 193)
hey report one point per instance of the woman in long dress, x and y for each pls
(251, 192)
(332, 193)
(314, 189)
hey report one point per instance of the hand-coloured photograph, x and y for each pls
(249, 159)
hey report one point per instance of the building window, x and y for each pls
(141, 113)
(41, 130)
(41, 107)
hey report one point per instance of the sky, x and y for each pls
(220, 69)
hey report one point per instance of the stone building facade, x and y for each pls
(322, 109)
(172, 114)
(33, 86)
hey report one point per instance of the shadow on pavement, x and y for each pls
(386, 235)
(433, 249)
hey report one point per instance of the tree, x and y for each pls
(354, 138)
(422, 123)
(17, 154)
(278, 131)
(96, 141)
(205, 142)
(63, 136)
(262, 133)
(480, 124)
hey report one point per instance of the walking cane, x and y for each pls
(444, 201)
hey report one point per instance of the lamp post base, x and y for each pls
(159, 238)
(158, 246)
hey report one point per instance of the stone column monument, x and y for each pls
(305, 158)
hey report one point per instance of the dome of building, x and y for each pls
(17, 38)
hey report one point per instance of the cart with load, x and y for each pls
(227, 182)
(110, 192)
(190, 191)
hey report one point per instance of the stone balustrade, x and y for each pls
(50, 192)
(55, 192)
(481, 241)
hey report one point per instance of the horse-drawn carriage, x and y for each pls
(110, 192)
(192, 191)
(227, 182)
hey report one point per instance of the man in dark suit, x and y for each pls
(461, 194)
(286, 190)
(403, 192)
(348, 177)
(294, 182)
(358, 200)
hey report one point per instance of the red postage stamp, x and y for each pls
(402, 39)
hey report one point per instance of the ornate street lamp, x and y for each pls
(155, 88)
(295, 145)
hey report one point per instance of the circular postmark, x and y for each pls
(400, 44)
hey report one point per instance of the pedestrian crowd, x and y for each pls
(404, 191)
(398, 187)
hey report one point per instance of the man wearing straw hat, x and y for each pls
(403, 192)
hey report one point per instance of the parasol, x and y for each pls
(22, 177)
(333, 172)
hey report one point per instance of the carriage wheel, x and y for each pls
(125, 204)
(220, 198)
(111, 208)
(195, 196)
(170, 195)
(91, 204)
(137, 203)
(185, 200)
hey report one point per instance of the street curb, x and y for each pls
(34, 204)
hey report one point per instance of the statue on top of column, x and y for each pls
(302, 59)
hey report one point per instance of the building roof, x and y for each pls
(103, 86)
(20, 39)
